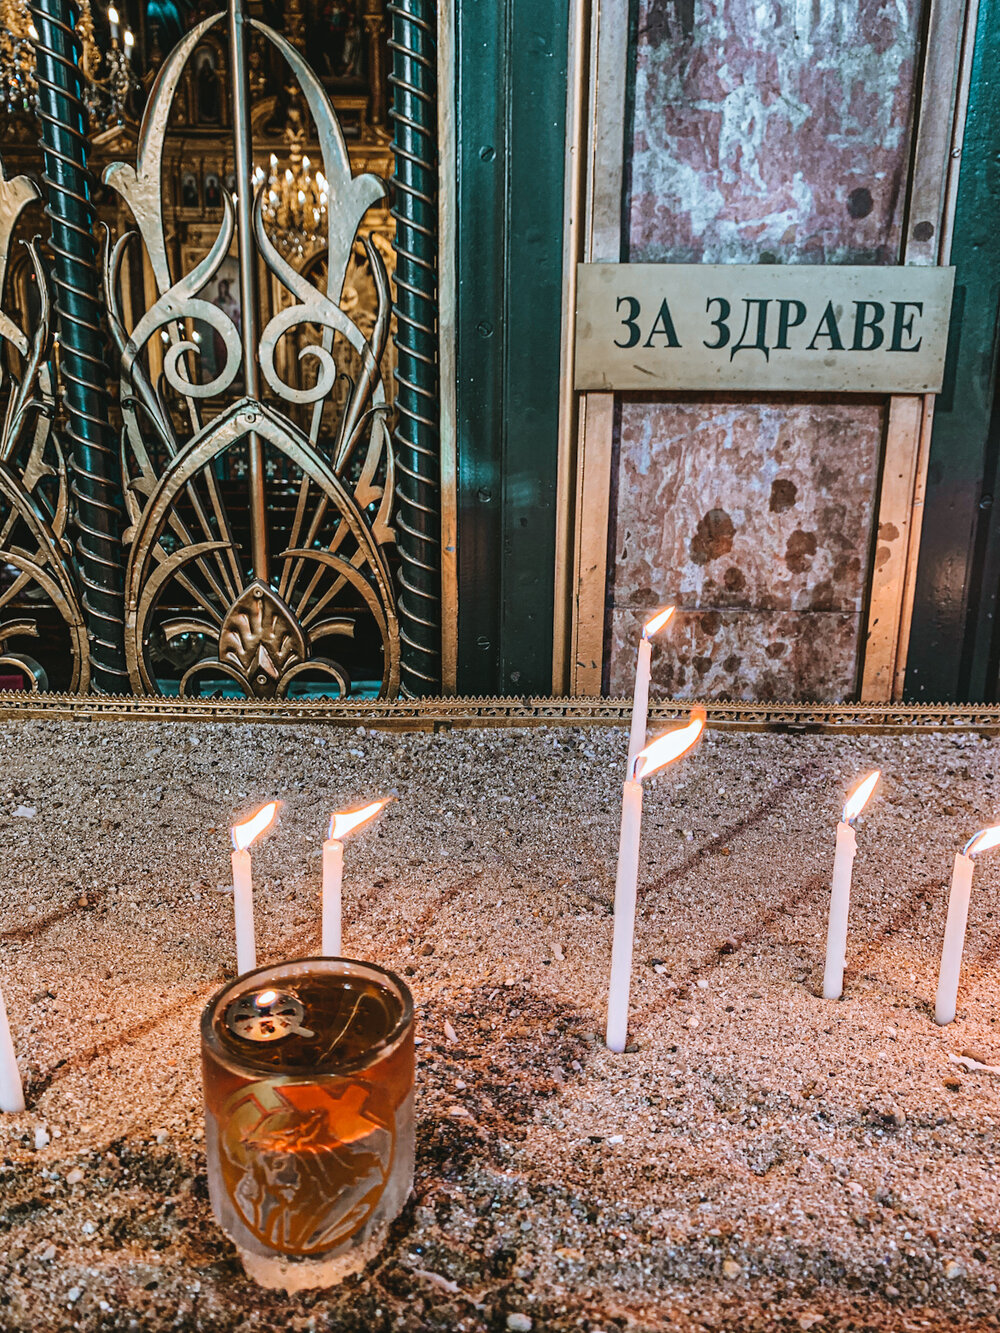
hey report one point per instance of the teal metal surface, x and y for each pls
(70, 210)
(418, 461)
(511, 99)
(953, 649)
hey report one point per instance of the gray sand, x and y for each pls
(763, 1159)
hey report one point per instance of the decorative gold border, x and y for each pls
(444, 714)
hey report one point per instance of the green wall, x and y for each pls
(511, 111)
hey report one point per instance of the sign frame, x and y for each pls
(796, 328)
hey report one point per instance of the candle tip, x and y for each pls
(982, 841)
(858, 798)
(670, 746)
(653, 626)
(244, 834)
(346, 821)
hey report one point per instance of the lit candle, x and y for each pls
(129, 43)
(342, 823)
(958, 914)
(840, 893)
(243, 835)
(11, 1091)
(640, 696)
(113, 21)
(666, 748)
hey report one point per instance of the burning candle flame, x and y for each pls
(670, 746)
(245, 833)
(265, 998)
(654, 626)
(983, 841)
(858, 798)
(346, 821)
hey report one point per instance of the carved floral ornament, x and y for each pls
(259, 616)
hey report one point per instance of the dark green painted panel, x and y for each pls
(953, 644)
(511, 97)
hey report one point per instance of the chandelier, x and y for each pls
(108, 77)
(294, 204)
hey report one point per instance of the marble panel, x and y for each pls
(745, 504)
(772, 130)
(764, 656)
(776, 131)
(754, 518)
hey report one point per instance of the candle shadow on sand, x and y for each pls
(764, 808)
(35, 1087)
(32, 929)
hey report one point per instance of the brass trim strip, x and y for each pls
(444, 714)
(573, 224)
(602, 242)
(448, 426)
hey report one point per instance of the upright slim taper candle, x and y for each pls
(640, 696)
(840, 893)
(342, 823)
(946, 1002)
(243, 835)
(671, 745)
(11, 1089)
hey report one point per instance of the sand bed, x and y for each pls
(763, 1158)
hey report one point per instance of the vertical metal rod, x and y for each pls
(96, 483)
(239, 37)
(413, 79)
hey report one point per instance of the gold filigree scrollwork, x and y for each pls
(35, 565)
(213, 445)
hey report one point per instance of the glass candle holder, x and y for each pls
(308, 1079)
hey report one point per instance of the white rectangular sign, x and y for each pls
(816, 328)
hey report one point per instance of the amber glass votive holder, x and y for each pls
(308, 1079)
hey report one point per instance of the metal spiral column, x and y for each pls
(72, 223)
(418, 516)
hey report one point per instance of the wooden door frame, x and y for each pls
(587, 420)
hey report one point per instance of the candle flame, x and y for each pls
(245, 833)
(265, 998)
(670, 746)
(858, 798)
(983, 841)
(654, 626)
(346, 821)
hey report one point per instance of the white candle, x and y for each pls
(342, 823)
(333, 880)
(840, 893)
(640, 695)
(625, 896)
(958, 915)
(243, 835)
(246, 941)
(11, 1089)
(946, 1001)
(671, 745)
(113, 22)
(840, 901)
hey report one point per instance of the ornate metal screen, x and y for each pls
(35, 556)
(256, 615)
(253, 432)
